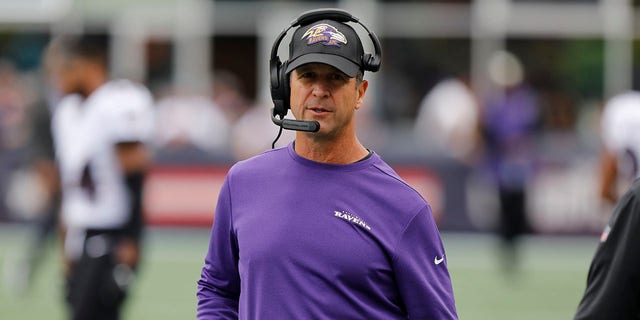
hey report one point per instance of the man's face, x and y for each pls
(70, 75)
(322, 93)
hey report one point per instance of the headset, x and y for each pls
(280, 90)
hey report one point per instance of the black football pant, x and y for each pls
(513, 216)
(92, 290)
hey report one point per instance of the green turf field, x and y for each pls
(547, 286)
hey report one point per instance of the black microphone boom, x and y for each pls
(297, 125)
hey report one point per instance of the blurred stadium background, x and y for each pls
(207, 64)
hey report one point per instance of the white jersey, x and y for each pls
(86, 132)
(621, 128)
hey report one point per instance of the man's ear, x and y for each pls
(361, 89)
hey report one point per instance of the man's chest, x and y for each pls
(332, 237)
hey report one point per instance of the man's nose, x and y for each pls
(321, 88)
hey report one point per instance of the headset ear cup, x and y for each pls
(286, 88)
(374, 65)
(370, 62)
(280, 94)
(274, 67)
(276, 87)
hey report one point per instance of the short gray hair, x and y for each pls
(359, 77)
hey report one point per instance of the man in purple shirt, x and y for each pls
(323, 228)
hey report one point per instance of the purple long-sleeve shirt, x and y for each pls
(298, 239)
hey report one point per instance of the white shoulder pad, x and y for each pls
(129, 108)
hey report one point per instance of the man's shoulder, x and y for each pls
(625, 212)
(267, 160)
(630, 97)
(124, 86)
(121, 97)
(65, 107)
(123, 94)
(390, 174)
(67, 101)
(634, 192)
(396, 187)
(622, 108)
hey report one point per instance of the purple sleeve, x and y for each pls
(421, 271)
(219, 284)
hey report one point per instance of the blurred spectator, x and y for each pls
(13, 108)
(190, 125)
(371, 131)
(510, 121)
(448, 118)
(41, 162)
(13, 129)
(229, 95)
(254, 132)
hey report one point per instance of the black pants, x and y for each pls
(95, 289)
(513, 218)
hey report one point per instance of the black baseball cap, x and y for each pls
(329, 42)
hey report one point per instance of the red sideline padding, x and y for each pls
(182, 196)
(187, 196)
